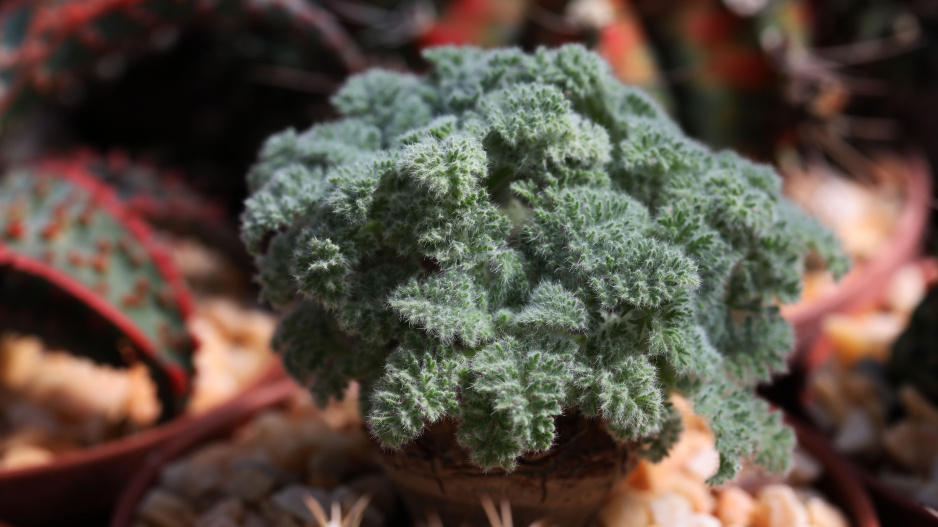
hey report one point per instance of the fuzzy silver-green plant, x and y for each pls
(513, 236)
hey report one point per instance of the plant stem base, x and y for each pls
(562, 487)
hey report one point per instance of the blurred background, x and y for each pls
(195, 86)
(169, 101)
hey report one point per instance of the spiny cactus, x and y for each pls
(47, 43)
(64, 232)
(160, 197)
(163, 199)
(512, 237)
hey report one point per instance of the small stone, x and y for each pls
(933, 471)
(778, 506)
(865, 393)
(928, 494)
(94, 430)
(703, 520)
(275, 516)
(902, 482)
(862, 337)
(250, 484)
(689, 419)
(624, 509)
(223, 514)
(734, 506)
(882, 401)
(693, 490)
(20, 361)
(343, 457)
(819, 415)
(917, 406)
(823, 514)
(912, 444)
(292, 451)
(27, 435)
(203, 472)
(25, 415)
(344, 415)
(380, 491)
(372, 517)
(219, 521)
(24, 456)
(254, 520)
(805, 469)
(257, 331)
(76, 388)
(218, 454)
(704, 463)
(164, 509)
(826, 389)
(224, 315)
(641, 478)
(670, 510)
(212, 384)
(260, 462)
(657, 477)
(143, 405)
(691, 443)
(857, 434)
(173, 476)
(292, 500)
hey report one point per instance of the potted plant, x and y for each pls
(82, 270)
(286, 465)
(518, 258)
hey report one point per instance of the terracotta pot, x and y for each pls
(565, 486)
(868, 282)
(86, 484)
(839, 482)
(891, 504)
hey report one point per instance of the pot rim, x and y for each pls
(904, 246)
(858, 504)
(143, 440)
(820, 351)
(219, 422)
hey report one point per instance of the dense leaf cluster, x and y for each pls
(514, 236)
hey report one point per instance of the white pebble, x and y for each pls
(778, 506)
(857, 434)
(703, 520)
(670, 510)
(703, 463)
(822, 514)
(734, 506)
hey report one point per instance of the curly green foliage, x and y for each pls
(514, 236)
